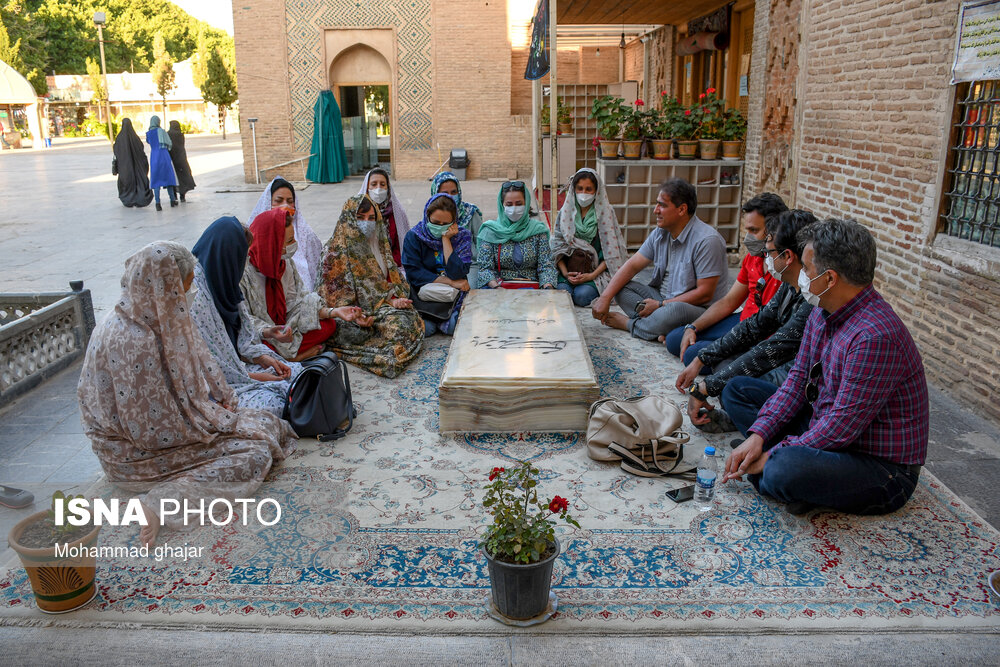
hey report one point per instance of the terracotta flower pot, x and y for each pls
(687, 149)
(59, 584)
(731, 150)
(632, 148)
(609, 149)
(709, 149)
(662, 148)
(521, 591)
(566, 128)
(546, 128)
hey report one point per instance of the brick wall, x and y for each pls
(872, 137)
(576, 65)
(261, 64)
(755, 116)
(633, 62)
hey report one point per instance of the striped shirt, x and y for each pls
(872, 390)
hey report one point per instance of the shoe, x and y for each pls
(158, 207)
(799, 508)
(183, 199)
(15, 498)
(720, 422)
(173, 202)
(733, 444)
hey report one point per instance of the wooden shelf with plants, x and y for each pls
(578, 98)
(633, 185)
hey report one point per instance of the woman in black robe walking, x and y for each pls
(178, 155)
(131, 167)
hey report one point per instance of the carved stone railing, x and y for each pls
(41, 334)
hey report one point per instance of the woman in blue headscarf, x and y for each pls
(469, 215)
(161, 169)
(514, 249)
(437, 254)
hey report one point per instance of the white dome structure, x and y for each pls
(16, 91)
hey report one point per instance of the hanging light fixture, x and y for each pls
(598, 54)
(621, 45)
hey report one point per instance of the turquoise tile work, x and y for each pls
(305, 20)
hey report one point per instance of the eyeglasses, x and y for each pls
(758, 292)
(812, 387)
(777, 250)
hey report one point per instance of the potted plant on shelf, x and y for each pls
(687, 121)
(734, 129)
(710, 131)
(520, 544)
(60, 583)
(546, 123)
(608, 112)
(662, 127)
(634, 130)
(564, 116)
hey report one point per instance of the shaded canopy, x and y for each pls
(328, 163)
(14, 88)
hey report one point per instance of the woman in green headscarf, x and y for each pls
(514, 248)
(587, 244)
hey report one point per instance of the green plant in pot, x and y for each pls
(546, 121)
(686, 123)
(608, 113)
(710, 131)
(734, 129)
(60, 582)
(564, 117)
(520, 544)
(661, 126)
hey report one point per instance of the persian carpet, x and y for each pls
(378, 533)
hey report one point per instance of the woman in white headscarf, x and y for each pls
(379, 190)
(587, 244)
(281, 194)
(158, 411)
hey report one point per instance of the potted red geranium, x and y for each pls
(520, 544)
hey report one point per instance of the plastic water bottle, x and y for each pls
(704, 488)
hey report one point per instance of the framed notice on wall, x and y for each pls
(977, 54)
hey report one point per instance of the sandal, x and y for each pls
(15, 498)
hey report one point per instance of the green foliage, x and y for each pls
(96, 80)
(546, 116)
(664, 120)
(734, 125)
(162, 70)
(636, 122)
(219, 87)
(522, 527)
(609, 114)
(60, 499)
(563, 113)
(59, 35)
(10, 52)
(199, 61)
(710, 110)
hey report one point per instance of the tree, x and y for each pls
(162, 71)
(10, 53)
(199, 61)
(219, 87)
(96, 84)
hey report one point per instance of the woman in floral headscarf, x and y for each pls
(587, 244)
(377, 187)
(155, 405)
(358, 270)
(293, 322)
(437, 254)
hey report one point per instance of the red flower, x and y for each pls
(663, 93)
(496, 472)
(595, 142)
(639, 103)
(702, 96)
(687, 112)
(710, 91)
(558, 504)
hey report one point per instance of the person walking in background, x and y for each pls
(161, 170)
(179, 158)
(130, 166)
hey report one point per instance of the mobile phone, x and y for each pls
(682, 494)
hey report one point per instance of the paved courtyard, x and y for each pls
(64, 222)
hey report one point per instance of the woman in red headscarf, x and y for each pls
(292, 321)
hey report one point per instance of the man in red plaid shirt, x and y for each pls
(848, 429)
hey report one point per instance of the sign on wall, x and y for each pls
(977, 55)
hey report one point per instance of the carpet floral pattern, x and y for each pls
(378, 532)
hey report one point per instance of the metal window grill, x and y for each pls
(972, 203)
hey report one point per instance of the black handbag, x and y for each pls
(319, 399)
(438, 311)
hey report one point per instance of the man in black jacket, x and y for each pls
(763, 345)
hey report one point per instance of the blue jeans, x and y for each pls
(846, 481)
(705, 338)
(447, 327)
(582, 294)
(171, 192)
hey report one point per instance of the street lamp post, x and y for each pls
(253, 131)
(100, 18)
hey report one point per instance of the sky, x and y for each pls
(218, 13)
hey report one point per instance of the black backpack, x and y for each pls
(319, 399)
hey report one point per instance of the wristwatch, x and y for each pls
(692, 327)
(694, 391)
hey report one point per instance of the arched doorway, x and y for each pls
(361, 80)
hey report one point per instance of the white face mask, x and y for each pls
(367, 227)
(769, 263)
(190, 295)
(513, 213)
(804, 284)
(584, 199)
(378, 195)
(290, 250)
